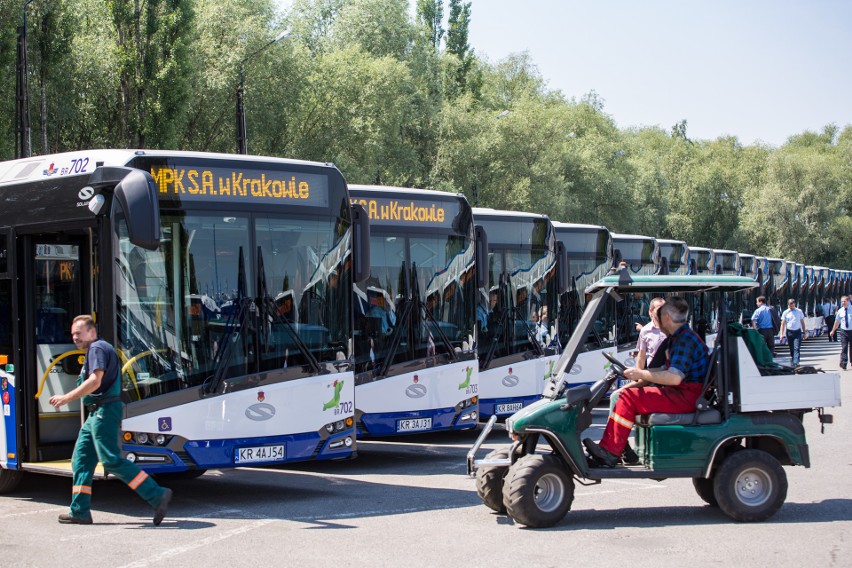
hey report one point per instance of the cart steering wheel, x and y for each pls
(617, 365)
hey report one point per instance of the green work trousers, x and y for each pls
(98, 442)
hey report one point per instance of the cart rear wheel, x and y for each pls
(750, 485)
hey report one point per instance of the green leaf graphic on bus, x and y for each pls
(466, 382)
(549, 372)
(335, 399)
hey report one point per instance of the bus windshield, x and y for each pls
(179, 306)
(522, 287)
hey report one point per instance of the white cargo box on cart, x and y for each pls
(783, 392)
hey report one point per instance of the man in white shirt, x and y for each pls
(793, 326)
(843, 320)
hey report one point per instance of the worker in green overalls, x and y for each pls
(100, 388)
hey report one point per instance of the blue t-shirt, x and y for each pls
(762, 317)
(101, 355)
(688, 355)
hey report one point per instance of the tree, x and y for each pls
(430, 15)
(458, 31)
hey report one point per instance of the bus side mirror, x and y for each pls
(136, 193)
(563, 268)
(481, 256)
(360, 243)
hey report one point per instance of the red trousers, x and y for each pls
(645, 400)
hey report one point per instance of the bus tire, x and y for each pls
(489, 481)
(9, 480)
(538, 491)
(750, 486)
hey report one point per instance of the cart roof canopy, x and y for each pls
(673, 283)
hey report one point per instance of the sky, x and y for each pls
(760, 70)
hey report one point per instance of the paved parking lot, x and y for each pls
(408, 503)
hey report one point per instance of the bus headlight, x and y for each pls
(141, 438)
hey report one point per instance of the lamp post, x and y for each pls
(242, 135)
(23, 140)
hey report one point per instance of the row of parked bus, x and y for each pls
(265, 311)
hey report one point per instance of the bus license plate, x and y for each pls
(413, 424)
(260, 454)
(509, 407)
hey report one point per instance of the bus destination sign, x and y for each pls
(390, 211)
(240, 185)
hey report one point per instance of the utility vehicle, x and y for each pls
(746, 426)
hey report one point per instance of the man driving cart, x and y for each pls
(673, 389)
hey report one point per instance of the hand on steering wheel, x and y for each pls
(617, 365)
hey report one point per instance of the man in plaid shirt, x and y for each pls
(673, 389)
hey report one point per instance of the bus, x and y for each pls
(674, 256)
(704, 259)
(588, 257)
(517, 346)
(224, 283)
(641, 255)
(749, 267)
(415, 316)
(726, 262)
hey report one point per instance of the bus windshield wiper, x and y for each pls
(503, 320)
(430, 317)
(401, 324)
(269, 314)
(233, 330)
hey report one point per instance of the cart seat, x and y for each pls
(710, 416)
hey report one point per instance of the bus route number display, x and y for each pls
(243, 185)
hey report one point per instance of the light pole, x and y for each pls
(242, 135)
(23, 140)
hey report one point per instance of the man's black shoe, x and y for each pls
(67, 519)
(843, 367)
(162, 507)
(628, 456)
(601, 456)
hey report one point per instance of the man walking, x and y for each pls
(843, 320)
(99, 386)
(793, 326)
(761, 319)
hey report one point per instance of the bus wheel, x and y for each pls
(538, 491)
(750, 485)
(9, 480)
(704, 488)
(489, 481)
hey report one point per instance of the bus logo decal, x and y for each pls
(51, 170)
(335, 398)
(415, 391)
(511, 380)
(259, 412)
(260, 396)
(86, 193)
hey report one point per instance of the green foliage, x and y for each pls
(398, 99)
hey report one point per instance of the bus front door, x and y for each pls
(57, 286)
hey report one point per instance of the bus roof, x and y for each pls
(432, 193)
(30, 169)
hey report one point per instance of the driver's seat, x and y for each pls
(704, 413)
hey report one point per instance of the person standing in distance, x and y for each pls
(793, 325)
(829, 308)
(99, 386)
(843, 320)
(761, 319)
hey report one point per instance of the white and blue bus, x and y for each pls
(224, 282)
(588, 258)
(704, 260)
(674, 256)
(517, 345)
(415, 316)
(641, 255)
